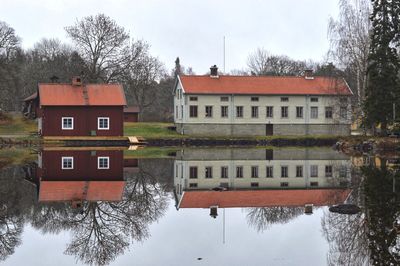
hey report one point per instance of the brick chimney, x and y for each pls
(308, 74)
(214, 71)
(76, 81)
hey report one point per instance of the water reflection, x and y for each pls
(108, 200)
(104, 210)
(372, 236)
(273, 186)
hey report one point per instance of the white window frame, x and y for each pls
(62, 123)
(108, 123)
(65, 158)
(108, 162)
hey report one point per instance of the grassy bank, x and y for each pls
(17, 126)
(11, 156)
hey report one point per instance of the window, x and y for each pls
(328, 112)
(193, 172)
(328, 170)
(224, 171)
(103, 163)
(209, 111)
(208, 172)
(193, 99)
(314, 112)
(176, 112)
(239, 171)
(314, 99)
(284, 184)
(299, 112)
(284, 111)
(254, 171)
(313, 184)
(193, 185)
(224, 99)
(67, 163)
(269, 171)
(314, 170)
(224, 111)
(182, 111)
(343, 112)
(254, 111)
(284, 171)
(299, 171)
(193, 110)
(67, 123)
(103, 123)
(342, 171)
(254, 99)
(270, 111)
(284, 99)
(239, 111)
(254, 184)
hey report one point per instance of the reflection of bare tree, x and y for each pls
(10, 234)
(346, 234)
(14, 204)
(262, 218)
(103, 230)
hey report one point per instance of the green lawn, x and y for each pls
(18, 125)
(150, 130)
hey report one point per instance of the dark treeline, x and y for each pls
(102, 52)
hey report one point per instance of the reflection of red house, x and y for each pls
(262, 198)
(131, 165)
(131, 114)
(73, 175)
(78, 109)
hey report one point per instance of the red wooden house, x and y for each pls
(79, 109)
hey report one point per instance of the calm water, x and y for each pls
(106, 207)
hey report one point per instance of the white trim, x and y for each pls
(62, 123)
(108, 123)
(108, 162)
(62, 163)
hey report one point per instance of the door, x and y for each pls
(269, 129)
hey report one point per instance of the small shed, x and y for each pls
(131, 114)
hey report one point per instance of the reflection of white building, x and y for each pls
(199, 170)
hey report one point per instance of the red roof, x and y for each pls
(263, 198)
(81, 190)
(66, 94)
(270, 85)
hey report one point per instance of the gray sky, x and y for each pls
(192, 30)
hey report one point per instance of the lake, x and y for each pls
(199, 206)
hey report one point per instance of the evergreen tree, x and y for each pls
(383, 64)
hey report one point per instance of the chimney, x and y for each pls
(77, 81)
(214, 71)
(308, 74)
(214, 211)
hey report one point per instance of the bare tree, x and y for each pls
(349, 39)
(142, 75)
(262, 63)
(9, 41)
(103, 45)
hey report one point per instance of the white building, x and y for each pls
(260, 105)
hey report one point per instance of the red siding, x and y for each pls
(85, 120)
(85, 166)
